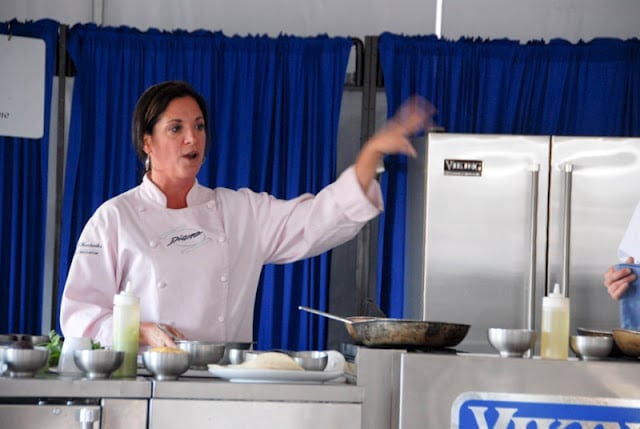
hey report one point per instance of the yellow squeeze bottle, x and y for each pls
(126, 330)
(555, 325)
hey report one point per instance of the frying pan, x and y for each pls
(384, 332)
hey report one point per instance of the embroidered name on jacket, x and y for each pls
(89, 248)
(185, 239)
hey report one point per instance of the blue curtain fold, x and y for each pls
(500, 86)
(23, 202)
(274, 109)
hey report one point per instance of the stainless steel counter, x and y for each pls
(395, 389)
(194, 400)
(52, 386)
(60, 402)
(214, 389)
(377, 371)
(198, 402)
(431, 390)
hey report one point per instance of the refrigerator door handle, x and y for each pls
(533, 242)
(566, 229)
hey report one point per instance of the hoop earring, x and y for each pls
(147, 164)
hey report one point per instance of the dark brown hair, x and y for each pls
(152, 104)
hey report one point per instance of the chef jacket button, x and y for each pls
(221, 319)
(152, 243)
(211, 205)
(224, 278)
(162, 285)
(222, 239)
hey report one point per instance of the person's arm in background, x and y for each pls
(617, 281)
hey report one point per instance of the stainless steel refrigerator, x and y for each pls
(493, 221)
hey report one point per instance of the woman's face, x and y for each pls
(177, 144)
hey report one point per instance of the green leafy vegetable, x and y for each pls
(55, 347)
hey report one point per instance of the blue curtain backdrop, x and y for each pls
(500, 86)
(274, 109)
(23, 202)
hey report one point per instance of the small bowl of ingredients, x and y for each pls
(23, 360)
(98, 363)
(202, 353)
(311, 360)
(166, 363)
(591, 347)
(511, 342)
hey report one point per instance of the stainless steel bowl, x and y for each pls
(36, 340)
(249, 355)
(7, 339)
(202, 353)
(99, 363)
(3, 366)
(615, 350)
(311, 360)
(233, 352)
(591, 347)
(166, 365)
(23, 363)
(511, 342)
(236, 356)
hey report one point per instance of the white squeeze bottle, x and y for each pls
(555, 325)
(126, 330)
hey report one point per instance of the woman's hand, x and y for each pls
(159, 335)
(617, 281)
(415, 115)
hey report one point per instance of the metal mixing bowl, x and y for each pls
(25, 362)
(311, 360)
(615, 350)
(7, 339)
(3, 367)
(233, 352)
(511, 342)
(236, 356)
(36, 340)
(99, 363)
(202, 353)
(628, 341)
(591, 347)
(249, 355)
(166, 365)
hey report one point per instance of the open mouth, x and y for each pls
(191, 155)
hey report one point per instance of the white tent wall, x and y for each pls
(523, 20)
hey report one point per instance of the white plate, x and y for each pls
(251, 375)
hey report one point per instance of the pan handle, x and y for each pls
(322, 313)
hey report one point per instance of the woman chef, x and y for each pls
(193, 255)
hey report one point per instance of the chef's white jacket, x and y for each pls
(197, 268)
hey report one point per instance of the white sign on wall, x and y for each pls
(22, 78)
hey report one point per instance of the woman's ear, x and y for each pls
(146, 144)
